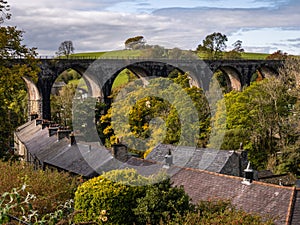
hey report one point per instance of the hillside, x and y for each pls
(139, 53)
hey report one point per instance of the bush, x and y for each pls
(51, 188)
(161, 203)
(131, 199)
(116, 199)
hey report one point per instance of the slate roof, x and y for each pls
(261, 198)
(27, 130)
(198, 158)
(86, 159)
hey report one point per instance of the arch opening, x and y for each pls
(228, 79)
(34, 105)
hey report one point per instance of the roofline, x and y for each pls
(221, 175)
(237, 178)
(291, 206)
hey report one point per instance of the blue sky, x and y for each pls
(100, 25)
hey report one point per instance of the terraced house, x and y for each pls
(205, 174)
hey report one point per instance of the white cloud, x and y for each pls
(103, 25)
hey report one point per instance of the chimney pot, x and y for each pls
(62, 134)
(168, 159)
(45, 124)
(38, 122)
(248, 175)
(72, 139)
(52, 131)
(33, 116)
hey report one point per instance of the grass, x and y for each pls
(121, 79)
(250, 55)
(138, 53)
(110, 54)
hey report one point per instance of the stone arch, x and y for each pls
(34, 97)
(93, 88)
(232, 77)
(267, 71)
(142, 69)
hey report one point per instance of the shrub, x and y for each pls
(161, 203)
(116, 199)
(51, 188)
(128, 198)
(10, 201)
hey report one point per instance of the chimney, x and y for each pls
(248, 175)
(62, 134)
(38, 122)
(52, 130)
(119, 151)
(72, 139)
(33, 116)
(45, 124)
(168, 159)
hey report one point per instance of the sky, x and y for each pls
(103, 25)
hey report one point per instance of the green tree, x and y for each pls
(152, 120)
(213, 45)
(236, 52)
(65, 48)
(265, 117)
(12, 87)
(287, 159)
(136, 42)
(257, 113)
(155, 51)
(161, 203)
(237, 46)
(61, 105)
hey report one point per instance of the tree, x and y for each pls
(161, 202)
(155, 51)
(213, 45)
(265, 117)
(278, 55)
(65, 49)
(4, 9)
(153, 119)
(136, 42)
(61, 105)
(12, 87)
(287, 159)
(236, 52)
(237, 46)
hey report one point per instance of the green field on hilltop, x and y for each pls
(138, 53)
(250, 55)
(109, 54)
